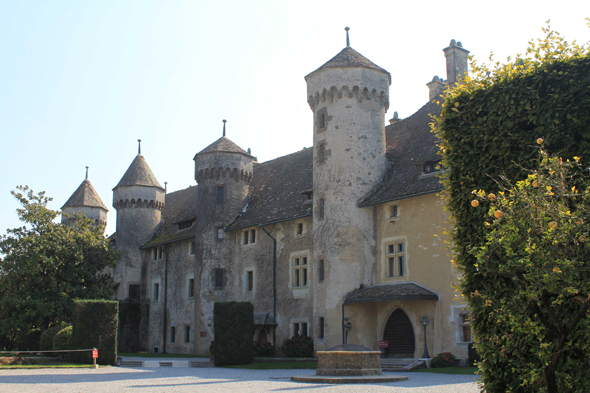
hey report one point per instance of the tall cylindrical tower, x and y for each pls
(349, 97)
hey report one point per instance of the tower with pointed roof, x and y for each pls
(85, 200)
(223, 171)
(349, 96)
(139, 199)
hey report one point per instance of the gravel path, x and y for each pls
(121, 379)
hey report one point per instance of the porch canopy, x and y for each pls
(264, 319)
(390, 292)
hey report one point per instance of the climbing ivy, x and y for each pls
(488, 127)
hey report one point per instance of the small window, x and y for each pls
(220, 233)
(321, 208)
(427, 168)
(218, 278)
(191, 248)
(249, 281)
(321, 328)
(299, 272)
(299, 229)
(321, 152)
(393, 211)
(220, 194)
(156, 292)
(465, 327)
(185, 224)
(300, 329)
(396, 259)
(156, 349)
(323, 120)
(160, 252)
(134, 291)
(173, 334)
(249, 236)
(187, 334)
(321, 270)
(191, 288)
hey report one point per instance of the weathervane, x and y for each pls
(347, 38)
(139, 147)
(86, 173)
(224, 121)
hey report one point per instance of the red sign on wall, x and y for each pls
(383, 344)
(203, 334)
(95, 354)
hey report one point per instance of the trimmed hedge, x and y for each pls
(298, 347)
(62, 340)
(46, 342)
(234, 330)
(29, 341)
(443, 359)
(95, 326)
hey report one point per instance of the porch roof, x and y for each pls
(390, 292)
(264, 319)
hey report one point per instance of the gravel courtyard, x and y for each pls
(121, 379)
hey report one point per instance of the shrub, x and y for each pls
(298, 347)
(234, 329)
(443, 359)
(95, 326)
(62, 340)
(263, 348)
(46, 342)
(473, 355)
(29, 341)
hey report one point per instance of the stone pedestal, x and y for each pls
(349, 363)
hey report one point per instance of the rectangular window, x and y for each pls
(300, 329)
(220, 233)
(249, 236)
(465, 327)
(321, 152)
(191, 248)
(321, 208)
(172, 334)
(393, 211)
(321, 270)
(219, 278)
(191, 288)
(321, 328)
(187, 334)
(323, 120)
(299, 229)
(299, 272)
(396, 259)
(157, 253)
(220, 194)
(156, 292)
(134, 291)
(249, 281)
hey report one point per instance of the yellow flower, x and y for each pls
(552, 225)
(540, 140)
(492, 197)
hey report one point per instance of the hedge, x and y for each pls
(62, 340)
(234, 332)
(95, 325)
(46, 342)
(29, 341)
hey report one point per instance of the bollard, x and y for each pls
(94, 356)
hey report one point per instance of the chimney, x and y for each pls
(456, 62)
(395, 118)
(436, 87)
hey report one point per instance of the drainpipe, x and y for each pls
(274, 285)
(165, 294)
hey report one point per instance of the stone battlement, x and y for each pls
(221, 173)
(132, 203)
(364, 94)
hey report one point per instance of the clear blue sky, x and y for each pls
(81, 81)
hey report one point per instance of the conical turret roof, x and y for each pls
(349, 57)
(223, 144)
(139, 174)
(85, 196)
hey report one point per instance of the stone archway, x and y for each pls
(400, 334)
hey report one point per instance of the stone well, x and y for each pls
(349, 360)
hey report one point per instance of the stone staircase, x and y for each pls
(399, 364)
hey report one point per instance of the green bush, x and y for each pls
(298, 347)
(263, 348)
(95, 326)
(473, 355)
(62, 340)
(443, 359)
(29, 341)
(46, 342)
(234, 329)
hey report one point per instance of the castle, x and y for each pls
(339, 242)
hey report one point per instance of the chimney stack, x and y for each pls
(456, 62)
(436, 87)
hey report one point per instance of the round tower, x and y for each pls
(223, 172)
(139, 199)
(85, 200)
(349, 96)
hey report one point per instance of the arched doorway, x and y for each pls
(400, 334)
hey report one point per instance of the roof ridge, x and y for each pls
(85, 195)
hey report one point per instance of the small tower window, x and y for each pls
(321, 152)
(172, 334)
(321, 270)
(323, 120)
(187, 334)
(393, 211)
(220, 233)
(299, 229)
(220, 194)
(218, 277)
(191, 248)
(321, 208)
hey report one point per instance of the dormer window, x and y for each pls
(430, 167)
(427, 168)
(249, 236)
(185, 224)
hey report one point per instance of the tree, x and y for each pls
(45, 265)
(538, 240)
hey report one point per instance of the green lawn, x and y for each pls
(277, 365)
(160, 355)
(448, 370)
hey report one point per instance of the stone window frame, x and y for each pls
(218, 275)
(296, 325)
(388, 255)
(322, 119)
(296, 267)
(456, 317)
(220, 233)
(393, 211)
(156, 290)
(187, 334)
(300, 224)
(248, 235)
(172, 334)
(249, 280)
(321, 152)
(138, 286)
(321, 208)
(192, 245)
(321, 269)
(157, 253)
(220, 194)
(321, 332)
(190, 289)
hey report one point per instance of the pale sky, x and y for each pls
(81, 81)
